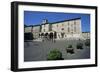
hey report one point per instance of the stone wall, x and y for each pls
(67, 30)
(86, 35)
(36, 31)
(70, 29)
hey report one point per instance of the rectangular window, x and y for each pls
(68, 29)
(74, 28)
(62, 24)
(57, 25)
(44, 30)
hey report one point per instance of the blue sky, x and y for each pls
(34, 18)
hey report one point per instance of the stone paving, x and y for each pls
(38, 50)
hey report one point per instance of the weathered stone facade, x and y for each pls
(67, 29)
(86, 35)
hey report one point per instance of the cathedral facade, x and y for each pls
(65, 29)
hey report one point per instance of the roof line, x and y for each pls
(55, 22)
(86, 32)
(65, 20)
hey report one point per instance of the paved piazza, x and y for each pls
(38, 50)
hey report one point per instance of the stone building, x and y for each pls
(86, 35)
(66, 29)
(33, 29)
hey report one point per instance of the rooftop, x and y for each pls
(54, 22)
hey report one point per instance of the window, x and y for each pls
(74, 27)
(68, 25)
(44, 30)
(62, 29)
(57, 25)
(68, 29)
(71, 25)
(62, 24)
(74, 22)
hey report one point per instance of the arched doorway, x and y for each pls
(51, 36)
(46, 34)
(42, 34)
(39, 35)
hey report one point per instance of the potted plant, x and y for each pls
(79, 46)
(54, 55)
(70, 49)
(87, 42)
